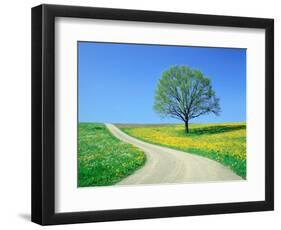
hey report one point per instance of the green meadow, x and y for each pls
(102, 158)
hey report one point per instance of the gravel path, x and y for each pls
(165, 165)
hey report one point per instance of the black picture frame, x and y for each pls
(43, 114)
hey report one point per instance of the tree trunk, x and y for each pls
(186, 126)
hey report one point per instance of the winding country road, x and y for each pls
(165, 165)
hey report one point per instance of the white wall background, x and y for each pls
(15, 114)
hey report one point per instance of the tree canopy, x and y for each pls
(185, 93)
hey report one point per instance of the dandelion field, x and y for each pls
(102, 158)
(222, 142)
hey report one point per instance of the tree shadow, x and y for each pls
(215, 129)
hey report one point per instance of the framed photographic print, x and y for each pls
(142, 114)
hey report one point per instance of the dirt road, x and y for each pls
(165, 165)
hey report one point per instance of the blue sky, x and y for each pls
(117, 82)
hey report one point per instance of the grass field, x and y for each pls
(223, 142)
(102, 158)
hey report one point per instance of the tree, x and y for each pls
(184, 93)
